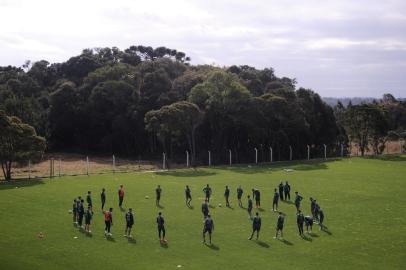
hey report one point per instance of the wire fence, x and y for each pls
(62, 164)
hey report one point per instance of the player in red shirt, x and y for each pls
(121, 196)
(108, 220)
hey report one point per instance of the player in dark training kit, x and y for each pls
(286, 190)
(239, 195)
(88, 219)
(256, 226)
(275, 200)
(226, 196)
(103, 198)
(281, 190)
(129, 220)
(257, 198)
(300, 220)
(207, 193)
(312, 206)
(208, 227)
(108, 221)
(188, 194)
(81, 213)
(250, 205)
(309, 223)
(121, 196)
(279, 225)
(298, 199)
(158, 192)
(89, 199)
(161, 227)
(205, 208)
(321, 218)
(75, 211)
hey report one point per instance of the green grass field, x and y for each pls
(363, 199)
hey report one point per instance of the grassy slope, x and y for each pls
(363, 200)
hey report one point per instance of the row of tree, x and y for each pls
(143, 101)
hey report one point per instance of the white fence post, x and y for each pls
(290, 152)
(163, 161)
(114, 164)
(325, 151)
(187, 159)
(87, 165)
(342, 150)
(29, 169)
(209, 158)
(59, 167)
(229, 151)
(270, 148)
(256, 155)
(308, 152)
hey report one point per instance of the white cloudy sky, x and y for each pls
(337, 48)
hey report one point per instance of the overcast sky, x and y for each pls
(337, 48)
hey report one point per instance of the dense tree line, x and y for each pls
(142, 101)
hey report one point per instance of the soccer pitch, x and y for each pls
(363, 200)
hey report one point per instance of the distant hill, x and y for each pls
(345, 100)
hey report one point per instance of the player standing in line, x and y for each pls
(309, 223)
(312, 206)
(208, 227)
(129, 219)
(275, 200)
(279, 225)
(207, 193)
(226, 196)
(321, 219)
(161, 227)
(121, 196)
(239, 195)
(281, 190)
(108, 221)
(158, 192)
(103, 198)
(256, 226)
(300, 221)
(75, 212)
(89, 199)
(316, 210)
(77, 207)
(298, 199)
(81, 212)
(286, 189)
(88, 219)
(205, 208)
(188, 194)
(257, 198)
(250, 206)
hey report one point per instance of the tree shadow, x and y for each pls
(213, 246)
(262, 244)
(396, 157)
(186, 173)
(15, 184)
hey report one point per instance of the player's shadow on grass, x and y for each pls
(187, 173)
(307, 238)
(262, 244)
(122, 209)
(164, 245)
(131, 240)
(261, 209)
(191, 207)
(312, 234)
(20, 183)
(213, 247)
(286, 242)
(160, 206)
(88, 235)
(388, 158)
(324, 229)
(110, 238)
(288, 202)
(230, 207)
(212, 206)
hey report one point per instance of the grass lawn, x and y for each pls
(364, 202)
